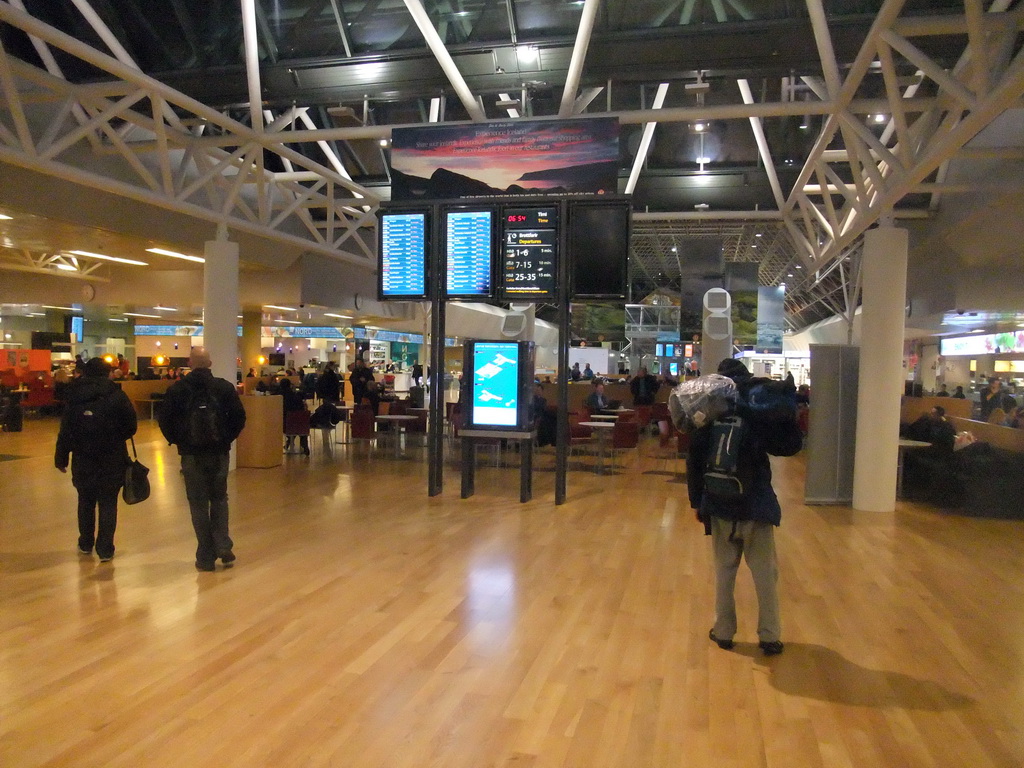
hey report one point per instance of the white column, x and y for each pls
(880, 383)
(220, 307)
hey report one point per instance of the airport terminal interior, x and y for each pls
(759, 146)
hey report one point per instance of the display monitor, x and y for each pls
(469, 253)
(659, 350)
(598, 250)
(673, 369)
(500, 375)
(78, 328)
(670, 350)
(529, 254)
(402, 255)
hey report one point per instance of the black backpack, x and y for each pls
(94, 426)
(204, 423)
(729, 471)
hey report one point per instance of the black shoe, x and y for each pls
(106, 558)
(205, 566)
(84, 551)
(774, 648)
(228, 559)
(305, 451)
(725, 645)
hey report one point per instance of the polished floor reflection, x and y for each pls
(368, 625)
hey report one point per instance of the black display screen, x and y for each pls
(402, 266)
(530, 253)
(469, 246)
(598, 250)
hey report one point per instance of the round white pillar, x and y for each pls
(220, 307)
(880, 383)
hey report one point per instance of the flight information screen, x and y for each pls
(469, 245)
(403, 260)
(529, 253)
(495, 384)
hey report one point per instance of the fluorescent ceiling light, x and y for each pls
(293, 322)
(526, 53)
(35, 314)
(66, 267)
(138, 314)
(110, 258)
(5, 217)
(69, 309)
(117, 320)
(275, 306)
(158, 308)
(343, 317)
(175, 255)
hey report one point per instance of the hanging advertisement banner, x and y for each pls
(549, 157)
(984, 344)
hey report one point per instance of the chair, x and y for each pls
(41, 396)
(296, 424)
(361, 425)
(625, 434)
(644, 415)
(578, 434)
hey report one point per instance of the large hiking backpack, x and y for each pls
(729, 473)
(204, 423)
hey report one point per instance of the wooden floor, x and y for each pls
(368, 625)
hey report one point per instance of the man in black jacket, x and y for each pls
(98, 418)
(328, 386)
(203, 415)
(644, 388)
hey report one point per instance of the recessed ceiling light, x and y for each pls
(118, 259)
(758, 234)
(879, 118)
(66, 267)
(35, 314)
(526, 53)
(5, 217)
(118, 320)
(344, 317)
(292, 322)
(799, 266)
(69, 309)
(275, 306)
(138, 314)
(176, 255)
(158, 308)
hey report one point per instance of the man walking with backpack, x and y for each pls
(203, 415)
(729, 481)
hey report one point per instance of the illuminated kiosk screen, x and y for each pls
(403, 257)
(469, 247)
(495, 384)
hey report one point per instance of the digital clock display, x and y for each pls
(530, 218)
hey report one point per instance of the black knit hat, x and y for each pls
(96, 368)
(732, 368)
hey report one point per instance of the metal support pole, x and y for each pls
(562, 433)
(435, 436)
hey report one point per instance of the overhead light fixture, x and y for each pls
(799, 266)
(5, 217)
(176, 255)
(879, 118)
(158, 308)
(275, 306)
(66, 267)
(118, 259)
(383, 142)
(702, 206)
(758, 234)
(35, 314)
(291, 322)
(117, 320)
(674, 249)
(138, 314)
(343, 317)
(68, 309)
(527, 54)
(699, 126)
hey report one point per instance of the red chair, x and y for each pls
(296, 424)
(362, 425)
(39, 396)
(625, 435)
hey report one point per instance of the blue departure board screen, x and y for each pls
(495, 384)
(469, 238)
(403, 255)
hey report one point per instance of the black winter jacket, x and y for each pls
(174, 411)
(97, 463)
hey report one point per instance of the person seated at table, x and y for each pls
(373, 395)
(596, 401)
(958, 393)
(292, 401)
(934, 428)
(1015, 418)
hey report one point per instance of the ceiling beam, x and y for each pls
(579, 55)
(645, 141)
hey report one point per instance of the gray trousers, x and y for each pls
(754, 542)
(206, 485)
